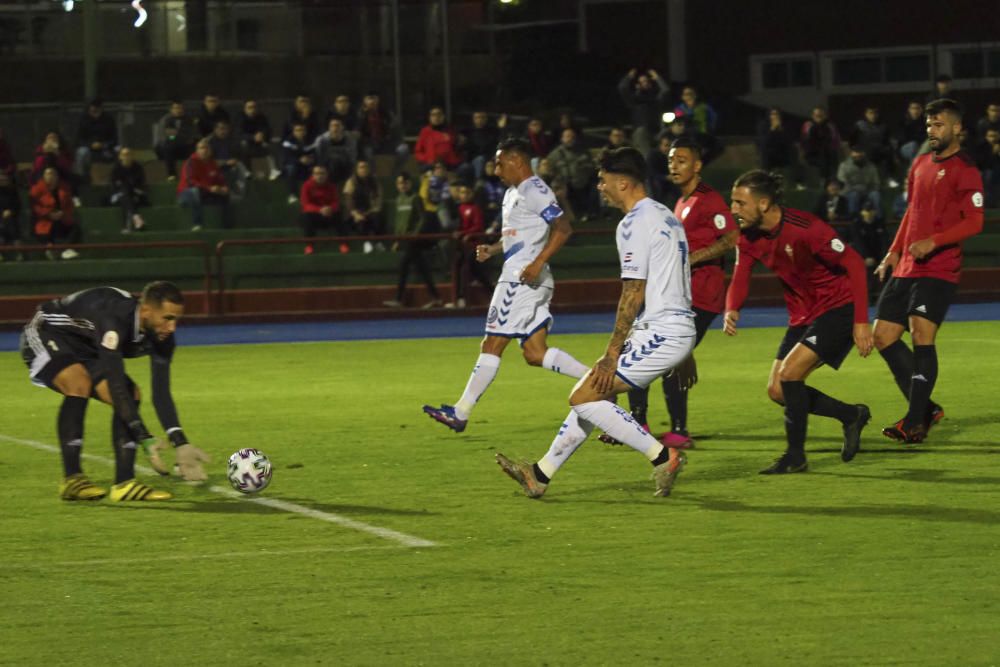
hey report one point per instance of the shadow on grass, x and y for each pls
(214, 505)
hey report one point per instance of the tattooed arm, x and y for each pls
(602, 375)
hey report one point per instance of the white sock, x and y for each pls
(620, 425)
(560, 362)
(482, 375)
(571, 435)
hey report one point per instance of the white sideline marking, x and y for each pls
(283, 505)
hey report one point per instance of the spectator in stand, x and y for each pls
(987, 156)
(128, 185)
(871, 135)
(831, 207)
(412, 219)
(868, 238)
(645, 95)
(912, 132)
(255, 137)
(228, 154)
(481, 141)
(379, 133)
(490, 191)
(54, 152)
(540, 140)
(53, 213)
(776, 146)
(175, 137)
(699, 114)
(96, 139)
(991, 121)
(363, 202)
(435, 191)
(468, 235)
(303, 112)
(436, 142)
(299, 156)
(568, 122)
(10, 209)
(819, 142)
(616, 139)
(321, 207)
(343, 112)
(661, 188)
(942, 89)
(338, 150)
(861, 182)
(210, 114)
(572, 164)
(202, 184)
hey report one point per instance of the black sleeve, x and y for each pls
(110, 354)
(163, 401)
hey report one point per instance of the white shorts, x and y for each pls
(648, 355)
(518, 310)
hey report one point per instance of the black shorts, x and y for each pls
(830, 336)
(928, 298)
(702, 321)
(47, 353)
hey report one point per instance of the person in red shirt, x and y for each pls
(437, 141)
(52, 212)
(710, 232)
(202, 183)
(470, 227)
(945, 191)
(320, 206)
(826, 293)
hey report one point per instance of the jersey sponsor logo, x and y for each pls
(684, 213)
(977, 199)
(492, 317)
(550, 213)
(720, 221)
(837, 245)
(627, 257)
(110, 340)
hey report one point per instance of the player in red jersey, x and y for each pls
(827, 298)
(711, 232)
(945, 193)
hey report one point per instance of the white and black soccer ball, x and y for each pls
(249, 471)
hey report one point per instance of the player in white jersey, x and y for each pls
(534, 228)
(654, 331)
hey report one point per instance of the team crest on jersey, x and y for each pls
(789, 251)
(940, 174)
(492, 317)
(626, 348)
(684, 213)
(977, 199)
(110, 340)
(837, 245)
(720, 221)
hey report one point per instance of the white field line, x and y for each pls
(283, 505)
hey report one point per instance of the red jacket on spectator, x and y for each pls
(44, 202)
(470, 219)
(201, 174)
(435, 144)
(315, 196)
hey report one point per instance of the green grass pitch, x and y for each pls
(889, 560)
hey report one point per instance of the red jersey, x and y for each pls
(817, 270)
(437, 144)
(945, 203)
(201, 174)
(314, 196)
(470, 219)
(706, 219)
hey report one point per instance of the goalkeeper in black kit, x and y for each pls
(76, 346)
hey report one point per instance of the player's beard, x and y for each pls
(941, 145)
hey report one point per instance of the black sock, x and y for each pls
(638, 403)
(925, 371)
(900, 360)
(827, 406)
(70, 425)
(539, 475)
(796, 414)
(677, 403)
(662, 458)
(124, 446)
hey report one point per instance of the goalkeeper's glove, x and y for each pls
(154, 450)
(189, 460)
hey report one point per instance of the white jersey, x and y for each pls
(652, 246)
(528, 210)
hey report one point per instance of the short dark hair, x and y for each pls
(96, 102)
(763, 184)
(515, 145)
(689, 143)
(943, 78)
(625, 161)
(405, 175)
(944, 105)
(159, 291)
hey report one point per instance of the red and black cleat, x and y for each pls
(900, 433)
(935, 413)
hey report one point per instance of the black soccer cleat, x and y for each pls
(900, 433)
(935, 413)
(852, 433)
(787, 463)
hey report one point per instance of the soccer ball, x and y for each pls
(249, 471)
